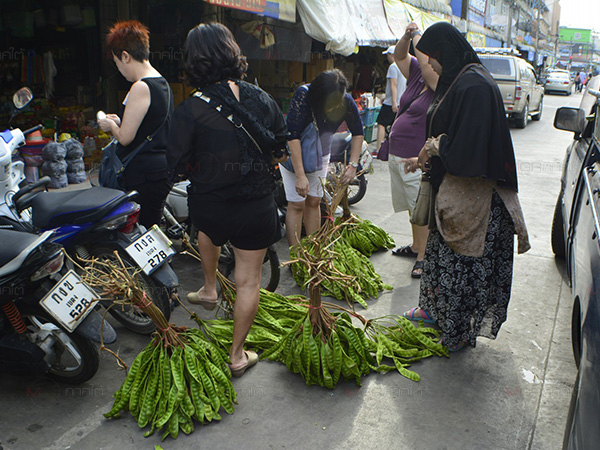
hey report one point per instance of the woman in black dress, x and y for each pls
(467, 274)
(146, 108)
(224, 138)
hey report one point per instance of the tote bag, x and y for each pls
(312, 150)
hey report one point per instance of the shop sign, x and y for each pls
(476, 39)
(255, 6)
(478, 5)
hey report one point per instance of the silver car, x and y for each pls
(559, 82)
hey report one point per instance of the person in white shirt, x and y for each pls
(394, 87)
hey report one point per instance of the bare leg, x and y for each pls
(380, 135)
(248, 267)
(293, 222)
(420, 235)
(209, 254)
(312, 214)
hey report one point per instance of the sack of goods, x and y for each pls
(75, 163)
(55, 165)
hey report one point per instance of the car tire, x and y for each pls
(522, 119)
(558, 231)
(538, 116)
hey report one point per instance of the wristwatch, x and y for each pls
(353, 164)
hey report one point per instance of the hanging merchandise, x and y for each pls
(49, 71)
(260, 31)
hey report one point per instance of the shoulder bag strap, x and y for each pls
(129, 157)
(464, 69)
(219, 109)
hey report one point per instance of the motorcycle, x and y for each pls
(46, 327)
(90, 223)
(340, 156)
(178, 224)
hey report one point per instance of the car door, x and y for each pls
(536, 89)
(583, 431)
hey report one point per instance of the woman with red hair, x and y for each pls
(146, 110)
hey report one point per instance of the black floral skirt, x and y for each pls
(468, 296)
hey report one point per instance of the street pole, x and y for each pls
(537, 36)
(509, 28)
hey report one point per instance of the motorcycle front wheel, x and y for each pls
(132, 317)
(72, 358)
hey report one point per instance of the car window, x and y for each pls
(501, 67)
(559, 76)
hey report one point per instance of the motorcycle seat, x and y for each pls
(17, 246)
(54, 209)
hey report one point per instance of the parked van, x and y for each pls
(522, 92)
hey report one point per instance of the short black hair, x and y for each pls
(328, 88)
(211, 54)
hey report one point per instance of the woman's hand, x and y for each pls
(116, 119)
(302, 185)
(106, 124)
(424, 158)
(411, 164)
(349, 175)
(410, 28)
(283, 158)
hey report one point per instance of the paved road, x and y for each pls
(511, 393)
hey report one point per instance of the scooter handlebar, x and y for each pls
(44, 181)
(32, 130)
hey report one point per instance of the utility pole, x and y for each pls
(509, 27)
(537, 37)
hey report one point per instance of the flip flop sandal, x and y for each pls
(410, 315)
(418, 266)
(404, 251)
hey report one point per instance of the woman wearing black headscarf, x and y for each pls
(467, 275)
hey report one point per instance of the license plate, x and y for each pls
(69, 301)
(151, 250)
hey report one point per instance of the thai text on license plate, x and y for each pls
(69, 301)
(151, 250)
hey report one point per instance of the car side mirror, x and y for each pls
(570, 119)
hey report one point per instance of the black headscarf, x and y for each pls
(471, 119)
(443, 42)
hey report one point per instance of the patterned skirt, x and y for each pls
(468, 296)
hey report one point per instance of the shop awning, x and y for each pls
(370, 24)
(476, 28)
(330, 23)
(437, 6)
(344, 25)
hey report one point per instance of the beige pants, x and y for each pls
(405, 186)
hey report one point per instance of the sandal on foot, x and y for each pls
(252, 360)
(195, 299)
(417, 270)
(404, 251)
(410, 315)
(457, 347)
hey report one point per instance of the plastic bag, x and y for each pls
(54, 151)
(74, 149)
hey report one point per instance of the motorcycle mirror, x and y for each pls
(100, 115)
(22, 97)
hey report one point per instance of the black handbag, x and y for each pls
(112, 168)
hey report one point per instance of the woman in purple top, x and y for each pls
(407, 137)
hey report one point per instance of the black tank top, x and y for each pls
(150, 164)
